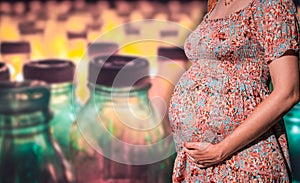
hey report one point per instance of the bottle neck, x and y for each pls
(25, 124)
(122, 95)
(61, 94)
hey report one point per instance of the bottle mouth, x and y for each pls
(171, 53)
(119, 71)
(169, 33)
(50, 70)
(77, 35)
(23, 97)
(28, 28)
(15, 47)
(102, 48)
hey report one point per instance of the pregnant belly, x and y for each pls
(200, 111)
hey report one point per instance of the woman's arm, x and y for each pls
(285, 78)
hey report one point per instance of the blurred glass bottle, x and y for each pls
(174, 7)
(59, 75)
(35, 7)
(28, 153)
(95, 49)
(77, 45)
(4, 72)
(15, 54)
(8, 25)
(161, 11)
(144, 10)
(123, 10)
(131, 35)
(19, 11)
(79, 6)
(77, 33)
(110, 23)
(292, 124)
(37, 13)
(35, 36)
(197, 10)
(172, 34)
(112, 137)
(94, 30)
(56, 37)
(172, 63)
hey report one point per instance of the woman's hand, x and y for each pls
(205, 154)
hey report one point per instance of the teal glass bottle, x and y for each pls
(292, 123)
(59, 75)
(4, 72)
(28, 152)
(117, 136)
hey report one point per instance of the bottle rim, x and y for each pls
(108, 89)
(23, 97)
(119, 71)
(50, 70)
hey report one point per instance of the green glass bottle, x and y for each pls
(4, 72)
(292, 123)
(59, 75)
(117, 136)
(28, 153)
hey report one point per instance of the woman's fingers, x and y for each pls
(195, 154)
(202, 163)
(197, 145)
(191, 152)
(203, 154)
(192, 145)
(197, 150)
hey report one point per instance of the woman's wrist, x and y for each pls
(225, 148)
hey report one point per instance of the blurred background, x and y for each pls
(57, 44)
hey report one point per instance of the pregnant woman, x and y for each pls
(227, 125)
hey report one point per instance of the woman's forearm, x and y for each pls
(264, 116)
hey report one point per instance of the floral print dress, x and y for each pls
(228, 78)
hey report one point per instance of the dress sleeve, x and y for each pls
(278, 28)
